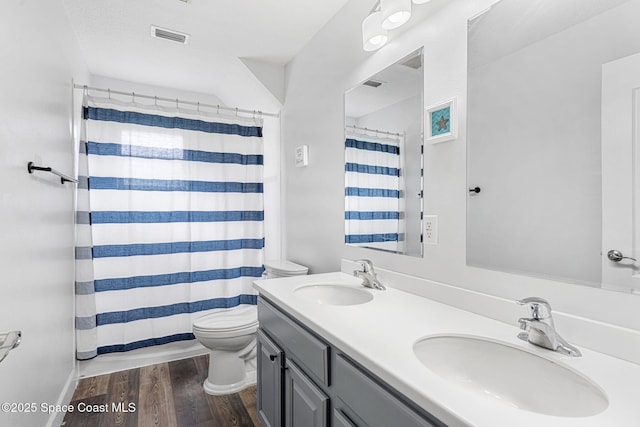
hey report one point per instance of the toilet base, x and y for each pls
(222, 389)
(230, 372)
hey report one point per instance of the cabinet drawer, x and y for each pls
(305, 348)
(370, 402)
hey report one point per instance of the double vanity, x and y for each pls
(334, 352)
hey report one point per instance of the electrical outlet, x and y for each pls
(431, 229)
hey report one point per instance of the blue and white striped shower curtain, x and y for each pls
(373, 193)
(169, 222)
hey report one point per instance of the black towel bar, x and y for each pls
(63, 178)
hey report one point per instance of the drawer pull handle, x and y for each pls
(273, 357)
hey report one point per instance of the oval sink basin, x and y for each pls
(333, 294)
(510, 375)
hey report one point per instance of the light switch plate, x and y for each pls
(302, 156)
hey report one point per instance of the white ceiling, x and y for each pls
(114, 36)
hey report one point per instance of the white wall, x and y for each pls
(334, 61)
(39, 57)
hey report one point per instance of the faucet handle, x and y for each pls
(523, 323)
(367, 265)
(534, 300)
(536, 305)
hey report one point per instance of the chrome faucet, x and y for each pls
(368, 275)
(540, 329)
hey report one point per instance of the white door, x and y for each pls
(621, 174)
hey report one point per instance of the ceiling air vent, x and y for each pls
(174, 36)
(372, 83)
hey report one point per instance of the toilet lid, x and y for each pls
(228, 320)
(285, 267)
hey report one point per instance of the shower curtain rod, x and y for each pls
(177, 101)
(382, 132)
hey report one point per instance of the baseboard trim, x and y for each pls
(56, 418)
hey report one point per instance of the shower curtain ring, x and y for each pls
(198, 107)
(156, 100)
(177, 106)
(133, 97)
(109, 92)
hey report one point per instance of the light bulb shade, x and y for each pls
(420, 1)
(394, 13)
(373, 35)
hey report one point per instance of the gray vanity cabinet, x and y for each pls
(364, 401)
(305, 382)
(291, 362)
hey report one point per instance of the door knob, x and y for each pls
(616, 256)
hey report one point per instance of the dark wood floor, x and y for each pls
(167, 394)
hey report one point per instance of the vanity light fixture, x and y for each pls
(394, 13)
(373, 35)
(385, 15)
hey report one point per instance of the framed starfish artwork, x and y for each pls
(441, 122)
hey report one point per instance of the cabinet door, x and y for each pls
(305, 404)
(269, 390)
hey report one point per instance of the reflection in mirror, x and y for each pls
(383, 159)
(535, 91)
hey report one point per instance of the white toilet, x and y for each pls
(230, 335)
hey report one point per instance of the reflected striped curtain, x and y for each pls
(372, 193)
(169, 222)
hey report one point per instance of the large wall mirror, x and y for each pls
(552, 107)
(383, 159)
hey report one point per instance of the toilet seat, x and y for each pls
(237, 321)
(284, 268)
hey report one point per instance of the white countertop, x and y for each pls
(380, 335)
